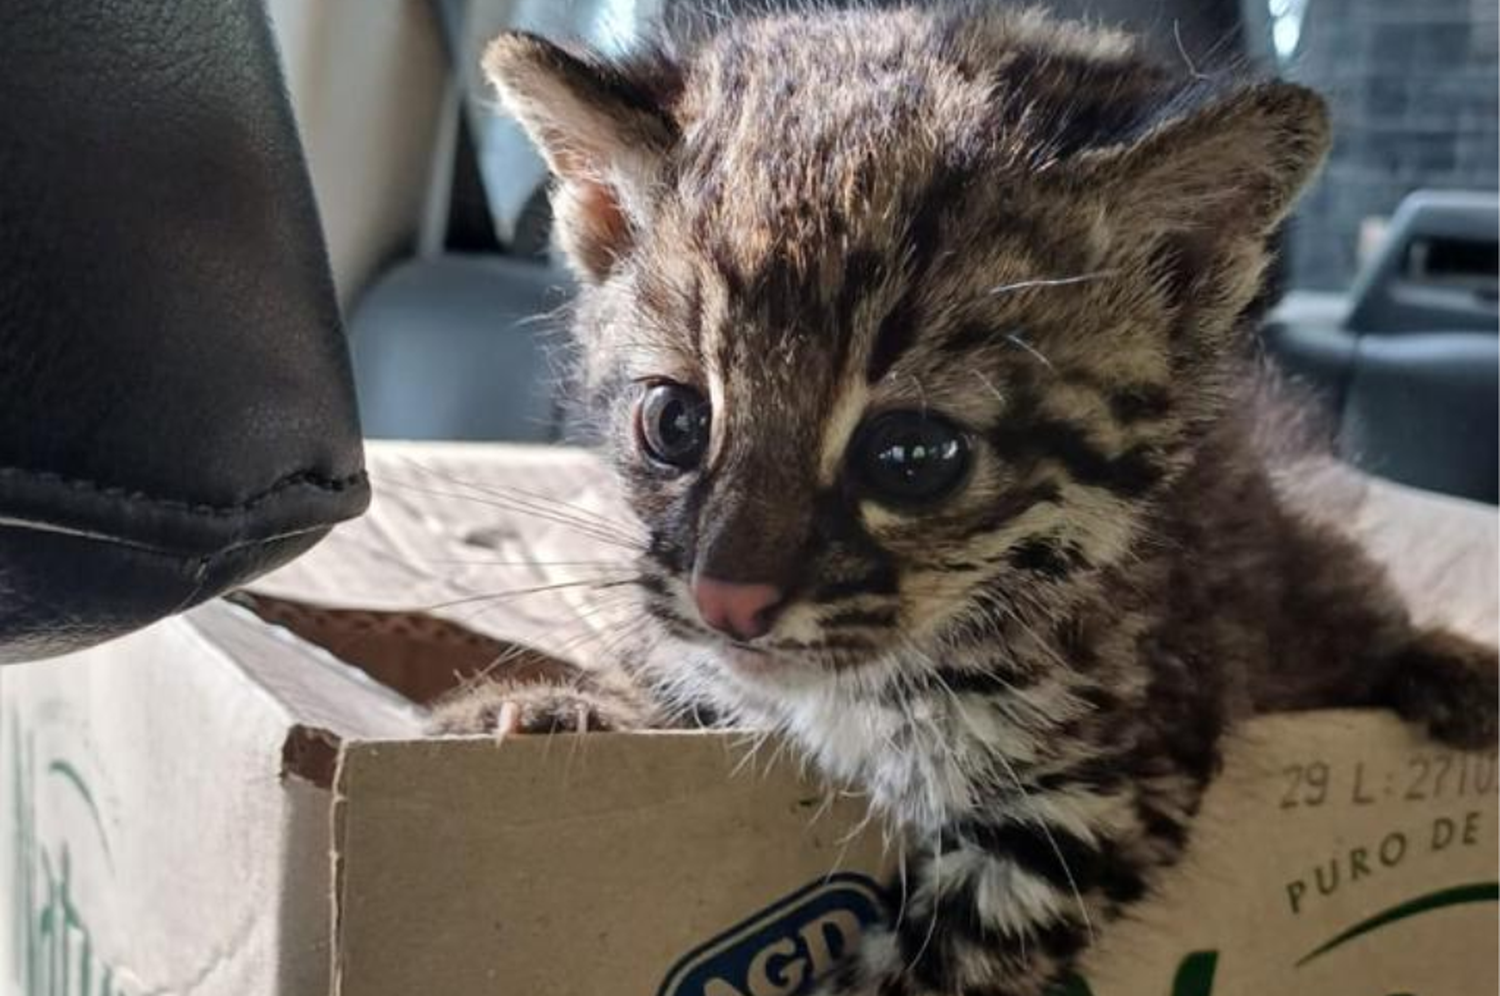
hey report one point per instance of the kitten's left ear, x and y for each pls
(1238, 161)
(603, 134)
(1210, 185)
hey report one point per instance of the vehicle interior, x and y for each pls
(256, 253)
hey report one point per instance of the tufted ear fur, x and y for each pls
(603, 133)
(1241, 158)
(1204, 189)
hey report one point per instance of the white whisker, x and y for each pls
(1021, 285)
(989, 385)
(1014, 338)
(1182, 51)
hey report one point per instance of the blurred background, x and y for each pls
(436, 210)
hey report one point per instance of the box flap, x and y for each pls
(525, 544)
(314, 689)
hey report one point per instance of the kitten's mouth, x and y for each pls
(750, 660)
(767, 661)
(768, 657)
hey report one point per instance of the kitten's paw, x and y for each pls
(1452, 685)
(500, 708)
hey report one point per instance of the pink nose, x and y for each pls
(743, 611)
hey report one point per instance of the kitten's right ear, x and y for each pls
(603, 136)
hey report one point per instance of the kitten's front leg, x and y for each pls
(580, 704)
(983, 926)
(1005, 908)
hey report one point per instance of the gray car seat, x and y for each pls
(1410, 361)
(459, 346)
(460, 341)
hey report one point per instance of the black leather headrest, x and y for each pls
(176, 408)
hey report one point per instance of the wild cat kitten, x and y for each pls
(914, 339)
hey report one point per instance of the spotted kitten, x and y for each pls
(914, 338)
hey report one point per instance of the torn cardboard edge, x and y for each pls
(324, 699)
(311, 754)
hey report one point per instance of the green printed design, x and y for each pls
(53, 947)
(1195, 977)
(1478, 892)
(70, 774)
(1071, 985)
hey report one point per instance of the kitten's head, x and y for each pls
(895, 322)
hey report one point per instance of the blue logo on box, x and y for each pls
(785, 948)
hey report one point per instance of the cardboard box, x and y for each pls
(220, 805)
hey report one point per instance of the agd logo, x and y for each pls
(782, 949)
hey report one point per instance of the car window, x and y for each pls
(1415, 101)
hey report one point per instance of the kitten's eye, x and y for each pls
(673, 424)
(910, 458)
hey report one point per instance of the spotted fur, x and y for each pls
(1050, 238)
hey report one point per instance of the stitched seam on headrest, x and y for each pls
(319, 481)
